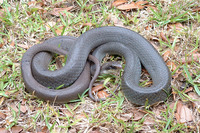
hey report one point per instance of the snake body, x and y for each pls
(113, 40)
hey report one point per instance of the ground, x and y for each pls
(171, 26)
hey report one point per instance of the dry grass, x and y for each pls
(24, 24)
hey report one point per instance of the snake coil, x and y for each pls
(76, 72)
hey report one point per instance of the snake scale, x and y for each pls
(75, 75)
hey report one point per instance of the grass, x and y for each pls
(27, 24)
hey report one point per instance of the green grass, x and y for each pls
(27, 25)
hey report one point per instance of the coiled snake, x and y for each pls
(76, 72)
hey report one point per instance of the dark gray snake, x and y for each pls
(111, 40)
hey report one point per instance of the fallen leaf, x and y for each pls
(14, 107)
(58, 11)
(3, 130)
(185, 114)
(102, 94)
(2, 116)
(16, 129)
(87, 24)
(12, 44)
(118, 2)
(196, 99)
(125, 116)
(128, 6)
(177, 26)
(149, 7)
(141, 4)
(138, 115)
(98, 88)
(23, 46)
(171, 65)
(166, 55)
(23, 109)
(1, 45)
(189, 89)
(45, 129)
(66, 112)
(163, 37)
(2, 100)
(149, 121)
(59, 30)
(80, 116)
(194, 57)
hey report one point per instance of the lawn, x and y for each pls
(171, 26)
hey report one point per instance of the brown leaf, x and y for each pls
(166, 55)
(12, 44)
(87, 24)
(1, 45)
(125, 116)
(102, 94)
(2, 100)
(196, 99)
(59, 30)
(2, 11)
(127, 6)
(177, 26)
(58, 11)
(118, 2)
(23, 46)
(149, 7)
(80, 116)
(16, 129)
(149, 121)
(2, 115)
(14, 107)
(138, 115)
(3, 130)
(66, 112)
(172, 65)
(141, 4)
(45, 129)
(98, 88)
(189, 89)
(194, 57)
(163, 37)
(185, 114)
(23, 109)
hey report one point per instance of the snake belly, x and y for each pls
(141, 51)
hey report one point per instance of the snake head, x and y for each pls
(110, 67)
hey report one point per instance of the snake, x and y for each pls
(109, 39)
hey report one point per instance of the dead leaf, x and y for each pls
(118, 2)
(149, 7)
(189, 89)
(141, 4)
(23, 46)
(125, 116)
(14, 107)
(23, 109)
(194, 57)
(80, 116)
(45, 129)
(115, 20)
(128, 6)
(166, 55)
(2, 100)
(58, 11)
(149, 121)
(12, 44)
(1, 45)
(98, 88)
(177, 26)
(171, 65)
(138, 115)
(16, 129)
(185, 114)
(59, 30)
(87, 24)
(2, 11)
(66, 112)
(102, 94)
(196, 99)
(2, 116)
(3, 130)
(163, 37)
